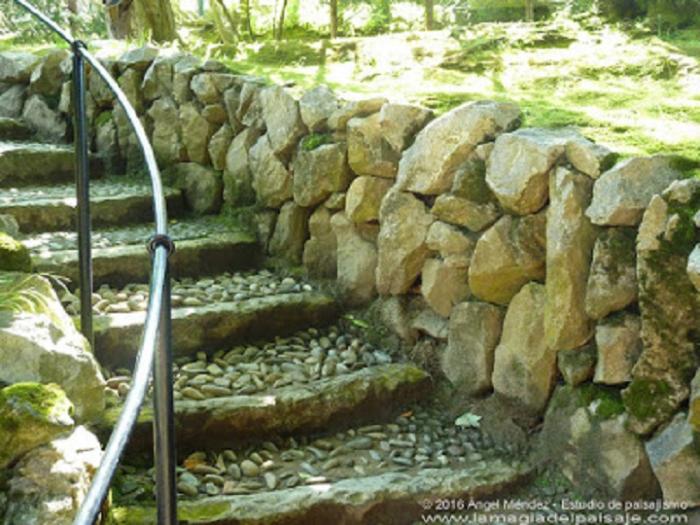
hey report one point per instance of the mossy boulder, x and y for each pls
(584, 434)
(14, 256)
(31, 414)
(669, 307)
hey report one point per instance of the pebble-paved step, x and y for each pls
(207, 328)
(372, 474)
(205, 246)
(13, 129)
(26, 164)
(367, 395)
(112, 202)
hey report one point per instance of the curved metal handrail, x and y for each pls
(157, 330)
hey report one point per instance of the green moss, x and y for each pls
(315, 140)
(647, 399)
(33, 398)
(14, 256)
(103, 118)
(607, 400)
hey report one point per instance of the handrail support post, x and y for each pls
(164, 421)
(82, 178)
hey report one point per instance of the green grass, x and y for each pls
(637, 93)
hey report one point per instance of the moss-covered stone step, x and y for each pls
(13, 129)
(24, 164)
(210, 327)
(392, 498)
(120, 256)
(112, 203)
(368, 395)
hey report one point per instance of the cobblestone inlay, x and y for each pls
(420, 438)
(190, 292)
(64, 240)
(305, 357)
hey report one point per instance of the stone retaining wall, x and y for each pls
(529, 257)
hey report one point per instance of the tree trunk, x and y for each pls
(280, 25)
(334, 18)
(429, 15)
(120, 20)
(73, 8)
(530, 10)
(130, 18)
(160, 19)
(248, 19)
(230, 18)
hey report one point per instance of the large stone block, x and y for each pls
(669, 306)
(316, 106)
(48, 123)
(357, 259)
(196, 132)
(291, 232)
(50, 483)
(444, 284)
(50, 74)
(676, 462)
(621, 194)
(16, 66)
(464, 212)
(474, 331)
(364, 198)
(525, 366)
(619, 346)
(167, 142)
(47, 348)
(570, 238)
(319, 172)
(368, 152)
(12, 101)
(238, 179)
(612, 281)
(32, 414)
(219, 145)
(428, 166)
(402, 242)
(584, 435)
(320, 251)
(271, 180)
(510, 254)
(202, 187)
(399, 123)
(338, 120)
(281, 115)
(518, 169)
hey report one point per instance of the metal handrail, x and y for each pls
(157, 329)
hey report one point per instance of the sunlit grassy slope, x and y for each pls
(627, 88)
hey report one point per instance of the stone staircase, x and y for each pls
(285, 413)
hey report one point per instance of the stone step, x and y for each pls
(209, 327)
(373, 474)
(112, 202)
(13, 129)
(205, 246)
(25, 164)
(367, 395)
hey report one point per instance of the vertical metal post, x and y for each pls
(163, 424)
(82, 179)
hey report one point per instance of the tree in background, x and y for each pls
(334, 18)
(429, 15)
(530, 10)
(133, 18)
(245, 4)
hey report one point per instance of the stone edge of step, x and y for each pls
(354, 500)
